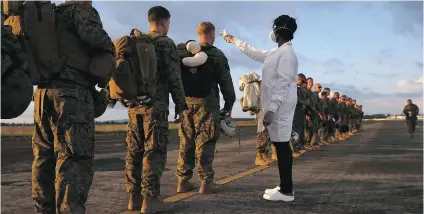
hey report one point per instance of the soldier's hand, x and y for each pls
(307, 117)
(268, 118)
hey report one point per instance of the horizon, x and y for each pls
(371, 51)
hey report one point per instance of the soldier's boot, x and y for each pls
(315, 141)
(274, 156)
(155, 205)
(184, 186)
(334, 139)
(261, 159)
(208, 188)
(296, 154)
(134, 203)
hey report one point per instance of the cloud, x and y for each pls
(384, 75)
(407, 17)
(410, 86)
(419, 64)
(386, 52)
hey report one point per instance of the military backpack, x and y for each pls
(134, 79)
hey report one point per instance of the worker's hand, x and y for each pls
(268, 118)
(229, 38)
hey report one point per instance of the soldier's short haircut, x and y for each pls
(205, 28)
(158, 13)
(310, 78)
(326, 89)
(301, 76)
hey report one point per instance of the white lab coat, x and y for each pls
(279, 87)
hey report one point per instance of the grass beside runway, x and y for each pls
(101, 129)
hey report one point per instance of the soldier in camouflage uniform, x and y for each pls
(361, 116)
(350, 115)
(148, 131)
(299, 116)
(263, 142)
(331, 119)
(344, 125)
(312, 132)
(411, 111)
(355, 116)
(63, 140)
(326, 109)
(337, 115)
(199, 129)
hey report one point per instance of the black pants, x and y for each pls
(411, 123)
(285, 162)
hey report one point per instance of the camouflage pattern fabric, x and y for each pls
(63, 141)
(298, 123)
(63, 148)
(15, 82)
(263, 142)
(198, 134)
(147, 137)
(223, 79)
(326, 109)
(84, 20)
(147, 140)
(411, 121)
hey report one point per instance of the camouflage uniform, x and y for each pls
(335, 115)
(327, 110)
(63, 140)
(411, 121)
(299, 122)
(313, 131)
(15, 82)
(148, 132)
(199, 129)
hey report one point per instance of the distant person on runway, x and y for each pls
(278, 97)
(411, 111)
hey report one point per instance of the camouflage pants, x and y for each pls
(198, 136)
(263, 142)
(298, 127)
(63, 148)
(411, 123)
(147, 141)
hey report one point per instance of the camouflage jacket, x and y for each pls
(316, 102)
(168, 76)
(222, 77)
(335, 107)
(326, 106)
(84, 21)
(413, 108)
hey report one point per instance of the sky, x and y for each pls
(371, 51)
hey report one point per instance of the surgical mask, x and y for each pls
(272, 36)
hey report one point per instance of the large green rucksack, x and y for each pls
(134, 79)
(16, 86)
(33, 22)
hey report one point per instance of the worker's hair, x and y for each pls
(158, 13)
(284, 26)
(205, 28)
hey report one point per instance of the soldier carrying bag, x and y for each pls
(34, 23)
(16, 86)
(133, 81)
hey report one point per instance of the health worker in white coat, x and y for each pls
(278, 97)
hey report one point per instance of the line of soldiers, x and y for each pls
(319, 120)
(66, 104)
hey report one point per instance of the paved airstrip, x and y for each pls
(379, 170)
